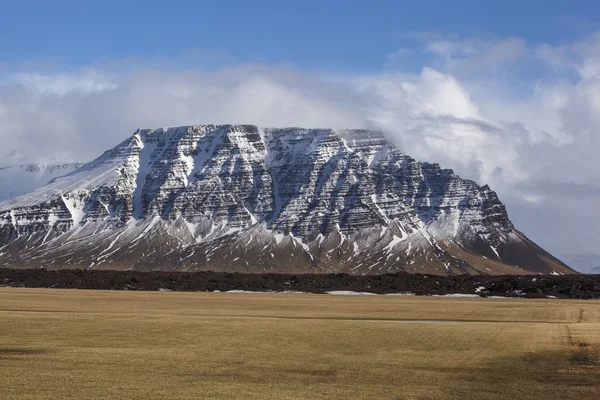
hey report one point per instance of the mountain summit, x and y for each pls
(244, 199)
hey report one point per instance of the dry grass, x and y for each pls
(73, 344)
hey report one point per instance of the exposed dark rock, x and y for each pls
(567, 286)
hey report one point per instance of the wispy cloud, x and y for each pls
(88, 81)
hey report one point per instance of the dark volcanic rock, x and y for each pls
(567, 286)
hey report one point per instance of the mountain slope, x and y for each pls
(18, 179)
(240, 198)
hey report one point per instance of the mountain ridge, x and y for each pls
(246, 199)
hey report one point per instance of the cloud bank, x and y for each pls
(521, 118)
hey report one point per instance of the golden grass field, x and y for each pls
(75, 344)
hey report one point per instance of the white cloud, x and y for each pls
(583, 56)
(466, 54)
(49, 115)
(88, 82)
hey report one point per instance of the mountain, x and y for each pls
(242, 199)
(18, 179)
(588, 263)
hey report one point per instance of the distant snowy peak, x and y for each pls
(586, 263)
(243, 198)
(55, 169)
(16, 180)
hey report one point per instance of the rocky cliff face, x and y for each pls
(240, 198)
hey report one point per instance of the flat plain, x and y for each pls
(83, 344)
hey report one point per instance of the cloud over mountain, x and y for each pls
(521, 118)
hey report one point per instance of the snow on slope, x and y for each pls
(16, 180)
(104, 171)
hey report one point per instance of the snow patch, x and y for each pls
(355, 248)
(400, 294)
(350, 293)
(278, 237)
(395, 240)
(144, 168)
(495, 252)
(76, 210)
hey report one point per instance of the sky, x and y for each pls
(506, 93)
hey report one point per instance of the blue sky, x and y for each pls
(347, 36)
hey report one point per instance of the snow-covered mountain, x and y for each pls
(18, 179)
(240, 198)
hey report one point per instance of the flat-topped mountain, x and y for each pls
(244, 199)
